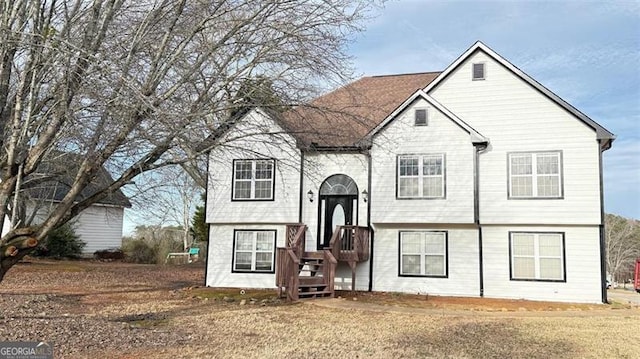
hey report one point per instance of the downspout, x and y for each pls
(301, 194)
(603, 248)
(372, 234)
(479, 147)
(206, 200)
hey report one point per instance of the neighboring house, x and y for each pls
(99, 226)
(473, 181)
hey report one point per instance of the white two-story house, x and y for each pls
(473, 181)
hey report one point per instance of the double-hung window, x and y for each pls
(535, 175)
(423, 254)
(537, 256)
(421, 176)
(254, 251)
(253, 179)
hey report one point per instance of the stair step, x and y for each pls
(312, 285)
(316, 273)
(316, 293)
(310, 280)
(311, 260)
(313, 255)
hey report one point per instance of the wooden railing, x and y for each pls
(350, 243)
(329, 270)
(288, 260)
(287, 266)
(296, 238)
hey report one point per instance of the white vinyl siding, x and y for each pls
(423, 254)
(421, 176)
(537, 256)
(253, 179)
(257, 143)
(402, 138)
(517, 118)
(254, 251)
(462, 263)
(535, 175)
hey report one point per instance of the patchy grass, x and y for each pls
(121, 310)
(147, 320)
(62, 265)
(614, 304)
(462, 303)
(233, 293)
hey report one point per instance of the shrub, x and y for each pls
(139, 251)
(62, 242)
(109, 254)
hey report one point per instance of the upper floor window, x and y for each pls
(535, 175)
(253, 179)
(420, 117)
(423, 254)
(421, 176)
(537, 256)
(254, 251)
(478, 71)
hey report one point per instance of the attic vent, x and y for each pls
(478, 71)
(420, 116)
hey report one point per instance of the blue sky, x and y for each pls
(586, 52)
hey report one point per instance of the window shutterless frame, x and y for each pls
(253, 251)
(418, 169)
(537, 257)
(251, 180)
(423, 253)
(535, 175)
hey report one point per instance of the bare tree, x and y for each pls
(168, 196)
(137, 85)
(623, 244)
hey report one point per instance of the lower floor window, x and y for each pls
(423, 253)
(254, 251)
(537, 256)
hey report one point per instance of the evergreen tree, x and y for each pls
(198, 223)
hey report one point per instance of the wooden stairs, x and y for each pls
(302, 275)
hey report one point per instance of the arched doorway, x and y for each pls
(338, 206)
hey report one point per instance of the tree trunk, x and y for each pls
(17, 244)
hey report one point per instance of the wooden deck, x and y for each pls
(301, 274)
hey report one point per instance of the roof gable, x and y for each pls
(476, 137)
(59, 176)
(601, 132)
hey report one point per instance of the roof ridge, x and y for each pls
(405, 74)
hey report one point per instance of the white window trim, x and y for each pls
(253, 251)
(473, 73)
(421, 176)
(534, 174)
(253, 180)
(426, 116)
(423, 254)
(536, 257)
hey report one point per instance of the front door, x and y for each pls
(338, 211)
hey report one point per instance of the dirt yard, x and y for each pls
(116, 310)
